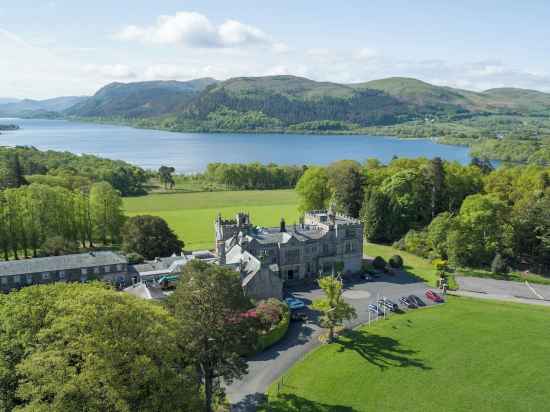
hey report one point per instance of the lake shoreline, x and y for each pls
(192, 152)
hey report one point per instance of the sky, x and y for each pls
(74, 47)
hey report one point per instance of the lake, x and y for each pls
(191, 152)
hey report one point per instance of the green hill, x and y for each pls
(297, 103)
(141, 99)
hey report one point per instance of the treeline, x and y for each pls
(254, 175)
(368, 107)
(70, 170)
(39, 219)
(470, 215)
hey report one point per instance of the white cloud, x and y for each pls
(193, 29)
(110, 71)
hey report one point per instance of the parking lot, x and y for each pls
(302, 337)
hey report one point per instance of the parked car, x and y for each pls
(405, 301)
(298, 315)
(430, 294)
(417, 301)
(375, 309)
(295, 304)
(366, 277)
(388, 304)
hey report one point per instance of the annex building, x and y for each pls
(103, 265)
(324, 242)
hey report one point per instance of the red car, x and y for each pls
(430, 294)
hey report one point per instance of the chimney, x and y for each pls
(283, 225)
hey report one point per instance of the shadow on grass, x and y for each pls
(381, 351)
(293, 403)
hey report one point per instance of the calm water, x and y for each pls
(191, 152)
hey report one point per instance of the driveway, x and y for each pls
(268, 366)
(503, 288)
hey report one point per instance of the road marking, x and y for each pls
(537, 294)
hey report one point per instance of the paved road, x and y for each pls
(503, 288)
(268, 366)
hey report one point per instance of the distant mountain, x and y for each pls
(4, 100)
(28, 107)
(291, 102)
(141, 99)
(422, 94)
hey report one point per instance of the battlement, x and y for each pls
(327, 217)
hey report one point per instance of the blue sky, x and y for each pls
(69, 47)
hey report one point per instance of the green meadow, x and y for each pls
(192, 215)
(464, 355)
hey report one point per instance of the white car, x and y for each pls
(294, 303)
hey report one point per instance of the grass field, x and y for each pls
(465, 355)
(415, 265)
(191, 215)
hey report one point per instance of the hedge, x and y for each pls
(275, 334)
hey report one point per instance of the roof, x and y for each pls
(274, 235)
(65, 262)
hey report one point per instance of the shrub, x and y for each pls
(396, 262)
(416, 242)
(275, 334)
(135, 258)
(399, 244)
(379, 263)
(269, 312)
(498, 265)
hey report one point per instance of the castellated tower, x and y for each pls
(227, 228)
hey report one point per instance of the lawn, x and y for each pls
(415, 265)
(192, 215)
(464, 355)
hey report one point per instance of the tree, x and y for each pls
(498, 265)
(106, 212)
(313, 189)
(62, 350)
(149, 236)
(479, 231)
(165, 176)
(209, 304)
(435, 174)
(438, 230)
(346, 182)
(13, 175)
(334, 310)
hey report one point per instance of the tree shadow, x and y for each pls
(293, 403)
(381, 351)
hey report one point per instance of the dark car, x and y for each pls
(405, 301)
(430, 294)
(417, 301)
(375, 309)
(388, 304)
(298, 316)
(366, 277)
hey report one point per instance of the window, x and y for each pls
(61, 274)
(29, 279)
(83, 278)
(107, 269)
(84, 271)
(119, 267)
(17, 279)
(45, 276)
(4, 280)
(96, 271)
